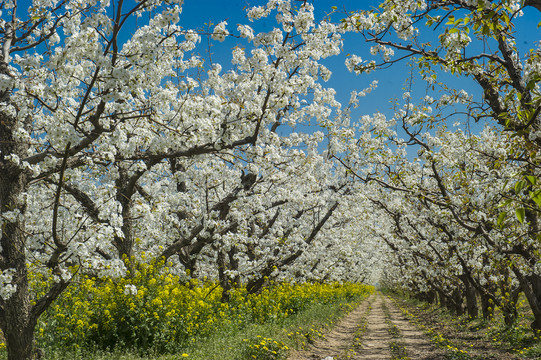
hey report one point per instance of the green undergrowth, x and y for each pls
(397, 346)
(358, 335)
(462, 336)
(232, 343)
(361, 330)
(152, 314)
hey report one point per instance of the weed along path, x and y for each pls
(376, 330)
(345, 335)
(408, 341)
(375, 342)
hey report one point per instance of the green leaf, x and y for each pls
(521, 213)
(505, 18)
(519, 186)
(532, 179)
(536, 196)
(501, 217)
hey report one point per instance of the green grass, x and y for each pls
(396, 346)
(398, 350)
(463, 333)
(361, 330)
(232, 343)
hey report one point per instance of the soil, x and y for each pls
(463, 335)
(339, 340)
(373, 329)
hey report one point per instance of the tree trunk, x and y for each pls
(431, 297)
(442, 299)
(509, 308)
(188, 261)
(234, 265)
(15, 320)
(471, 298)
(16, 324)
(486, 308)
(224, 279)
(531, 285)
(19, 341)
(125, 191)
(454, 302)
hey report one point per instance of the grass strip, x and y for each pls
(357, 336)
(396, 346)
(361, 330)
(453, 351)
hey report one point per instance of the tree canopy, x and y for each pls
(120, 142)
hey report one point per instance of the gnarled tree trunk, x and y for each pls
(15, 312)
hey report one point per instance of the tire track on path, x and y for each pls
(418, 346)
(340, 339)
(375, 342)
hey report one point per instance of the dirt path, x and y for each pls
(339, 340)
(418, 346)
(376, 330)
(375, 342)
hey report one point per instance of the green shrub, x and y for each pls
(152, 311)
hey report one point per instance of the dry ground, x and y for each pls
(368, 332)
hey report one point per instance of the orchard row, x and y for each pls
(120, 138)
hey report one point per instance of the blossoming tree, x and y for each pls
(102, 132)
(470, 199)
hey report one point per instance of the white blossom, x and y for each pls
(220, 32)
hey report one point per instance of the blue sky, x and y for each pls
(197, 13)
(391, 81)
